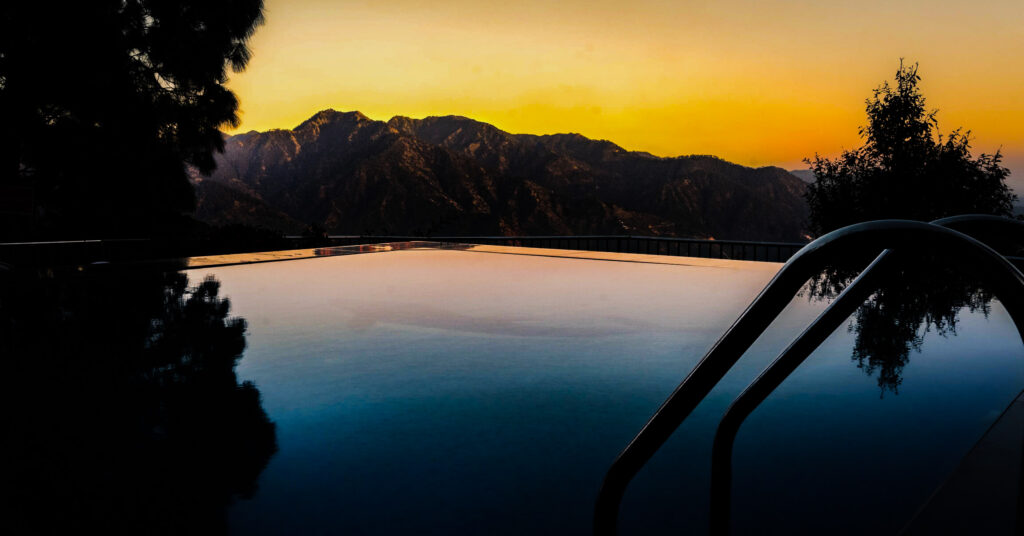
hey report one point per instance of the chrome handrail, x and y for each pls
(897, 235)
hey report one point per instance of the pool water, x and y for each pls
(443, 391)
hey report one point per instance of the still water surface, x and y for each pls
(446, 392)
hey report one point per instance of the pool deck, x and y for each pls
(983, 494)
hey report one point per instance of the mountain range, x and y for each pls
(456, 176)
(806, 175)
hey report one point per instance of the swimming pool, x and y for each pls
(486, 391)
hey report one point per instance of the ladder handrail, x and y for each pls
(801, 348)
(864, 237)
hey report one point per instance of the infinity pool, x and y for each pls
(441, 391)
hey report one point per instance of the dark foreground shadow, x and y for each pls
(121, 409)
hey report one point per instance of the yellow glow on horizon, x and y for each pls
(756, 83)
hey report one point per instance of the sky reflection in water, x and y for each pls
(459, 392)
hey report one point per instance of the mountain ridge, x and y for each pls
(456, 175)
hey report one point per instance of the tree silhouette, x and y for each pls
(105, 102)
(916, 295)
(123, 411)
(905, 169)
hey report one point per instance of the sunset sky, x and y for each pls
(754, 82)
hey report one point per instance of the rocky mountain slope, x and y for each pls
(453, 175)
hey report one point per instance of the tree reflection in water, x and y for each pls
(918, 296)
(122, 410)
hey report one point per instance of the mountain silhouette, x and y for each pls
(453, 175)
(806, 175)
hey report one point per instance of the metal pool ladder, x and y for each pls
(888, 239)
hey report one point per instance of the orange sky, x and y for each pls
(754, 82)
